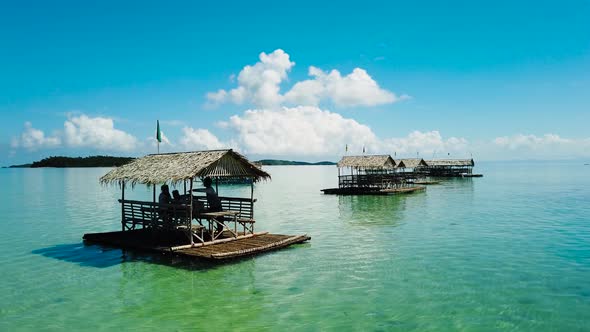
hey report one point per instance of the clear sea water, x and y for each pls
(509, 251)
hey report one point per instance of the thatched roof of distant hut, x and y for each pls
(450, 162)
(177, 167)
(369, 162)
(410, 163)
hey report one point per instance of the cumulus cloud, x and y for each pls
(548, 146)
(33, 139)
(301, 130)
(259, 84)
(200, 139)
(428, 144)
(78, 131)
(355, 89)
(98, 133)
(311, 131)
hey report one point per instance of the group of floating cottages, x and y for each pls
(189, 227)
(382, 175)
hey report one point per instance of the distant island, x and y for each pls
(92, 161)
(109, 161)
(273, 162)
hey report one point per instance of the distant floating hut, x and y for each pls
(409, 169)
(448, 168)
(188, 226)
(369, 175)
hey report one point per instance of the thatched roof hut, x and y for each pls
(410, 163)
(450, 162)
(178, 167)
(367, 162)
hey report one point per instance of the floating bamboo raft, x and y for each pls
(175, 242)
(403, 190)
(371, 191)
(426, 182)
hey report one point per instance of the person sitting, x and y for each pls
(165, 198)
(176, 197)
(212, 200)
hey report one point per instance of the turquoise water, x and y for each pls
(510, 251)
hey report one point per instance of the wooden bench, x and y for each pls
(244, 207)
(149, 214)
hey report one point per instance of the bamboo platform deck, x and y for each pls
(472, 175)
(371, 191)
(174, 242)
(426, 182)
(403, 190)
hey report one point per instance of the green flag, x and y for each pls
(158, 134)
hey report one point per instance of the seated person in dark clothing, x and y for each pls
(176, 197)
(165, 198)
(212, 199)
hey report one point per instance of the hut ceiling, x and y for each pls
(177, 167)
(450, 162)
(368, 162)
(410, 163)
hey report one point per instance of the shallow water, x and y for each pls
(509, 251)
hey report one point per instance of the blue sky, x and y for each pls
(498, 79)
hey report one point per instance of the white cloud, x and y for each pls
(530, 141)
(199, 139)
(548, 146)
(260, 85)
(310, 131)
(427, 144)
(33, 139)
(355, 89)
(98, 133)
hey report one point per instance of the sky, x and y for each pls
(303, 80)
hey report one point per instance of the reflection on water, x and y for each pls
(369, 209)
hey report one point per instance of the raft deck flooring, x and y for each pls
(426, 182)
(144, 239)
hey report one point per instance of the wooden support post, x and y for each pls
(190, 214)
(123, 206)
(251, 205)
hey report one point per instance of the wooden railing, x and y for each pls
(444, 171)
(376, 181)
(143, 214)
(245, 206)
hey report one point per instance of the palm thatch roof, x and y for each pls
(410, 163)
(450, 162)
(177, 167)
(368, 162)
